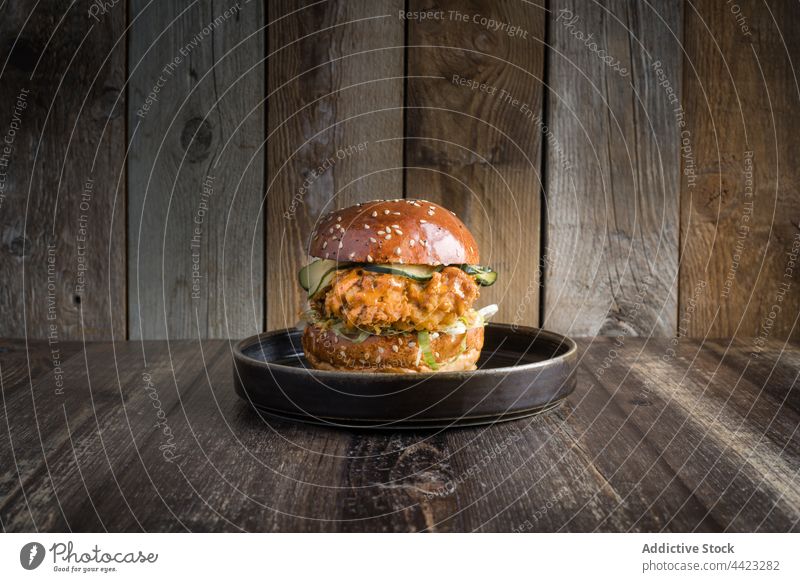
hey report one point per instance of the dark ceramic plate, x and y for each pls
(522, 371)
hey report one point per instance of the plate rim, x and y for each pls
(572, 348)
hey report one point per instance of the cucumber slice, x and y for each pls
(486, 279)
(483, 275)
(317, 275)
(416, 272)
(324, 282)
(338, 329)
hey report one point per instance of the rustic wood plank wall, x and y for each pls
(740, 220)
(335, 122)
(612, 168)
(195, 169)
(231, 114)
(474, 131)
(62, 203)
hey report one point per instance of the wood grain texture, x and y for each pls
(474, 150)
(660, 435)
(531, 475)
(613, 168)
(335, 94)
(62, 126)
(740, 219)
(39, 422)
(195, 169)
(675, 396)
(23, 363)
(622, 450)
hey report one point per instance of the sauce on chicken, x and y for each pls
(375, 301)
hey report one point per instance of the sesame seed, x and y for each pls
(339, 219)
(386, 212)
(436, 354)
(381, 350)
(395, 349)
(381, 232)
(400, 232)
(377, 359)
(369, 258)
(330, 231)
(395, 226)
(412, 242)
(423, 222)
(430, 212)
(373, 240)
(396, 213)
(324, 244)
(411, 344)
(388, 236)
(340, 244)
(397, 250)
(351, 255)
(366, 226)
(389, 230)
(374, 214)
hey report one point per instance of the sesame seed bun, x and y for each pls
(406, 231)
(324, 350)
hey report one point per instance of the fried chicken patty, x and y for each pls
(374, 301)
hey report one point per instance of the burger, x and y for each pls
(391, 288)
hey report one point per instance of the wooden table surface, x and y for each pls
(656, 437)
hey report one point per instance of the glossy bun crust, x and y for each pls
(412, 232)
(324, 350)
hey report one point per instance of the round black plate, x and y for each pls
(522, 371)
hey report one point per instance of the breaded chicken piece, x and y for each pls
(375, 301)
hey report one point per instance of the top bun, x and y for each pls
(407, 231)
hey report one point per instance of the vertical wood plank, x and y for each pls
(62, 130)
(196, 122)
(335, 93)
(740, 222)
(474, 132)
(612, 168)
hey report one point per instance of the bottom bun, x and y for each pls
(399, 353)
